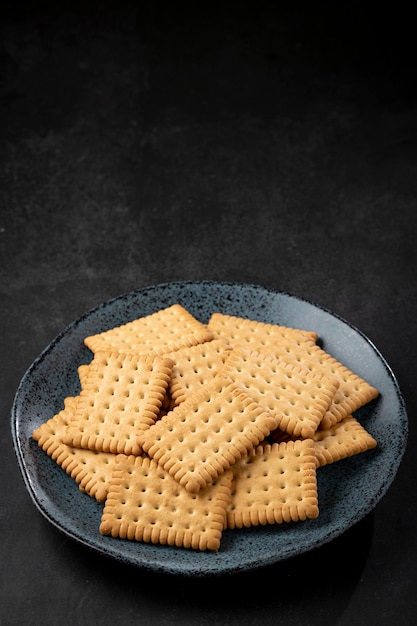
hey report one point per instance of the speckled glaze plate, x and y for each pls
(348, 489)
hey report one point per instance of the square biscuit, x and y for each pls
(121, 396)
(195, 367)
(298, 397)
(146, 504)
(204, 435)
(275, 483)
(163, 331)
(298, 347)
(255, 334)
(343, 440)
(353, 391)
(91, 470)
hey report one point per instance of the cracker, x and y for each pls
(146, 504)
(299, 398)
(91, 470)
(275, 483)
(163, 331)
(298, 347)
(195, 367)
(353, 391)
(343, 440)
(207, 433)
(121, 396)
(255, 334)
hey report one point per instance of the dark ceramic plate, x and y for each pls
(348, 490)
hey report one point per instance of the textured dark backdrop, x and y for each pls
(262, 143)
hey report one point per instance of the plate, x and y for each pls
(348, 489)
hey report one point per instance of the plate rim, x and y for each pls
(106, 305)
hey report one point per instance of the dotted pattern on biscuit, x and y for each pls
(195, 367)
(353, 391)
(146, 504)
(345, 439)
(163, 331)
(91, 470)
(255, 334)
(207, 433)
(299, 348)
(121, 396)
(298, 397)
(275, 483)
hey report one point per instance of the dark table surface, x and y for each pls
(143, 144)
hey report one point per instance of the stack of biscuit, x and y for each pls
(183, 429)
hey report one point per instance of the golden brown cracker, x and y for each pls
(146, 504)
(298, 397)
(275, 483)
(121, 396)
(255, 334)
(298, 347)
(163, 331)
(353, 391)
(91, 470)
(345, 439)
(195, 367)
(207, 433)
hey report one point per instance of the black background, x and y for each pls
(267, 143)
